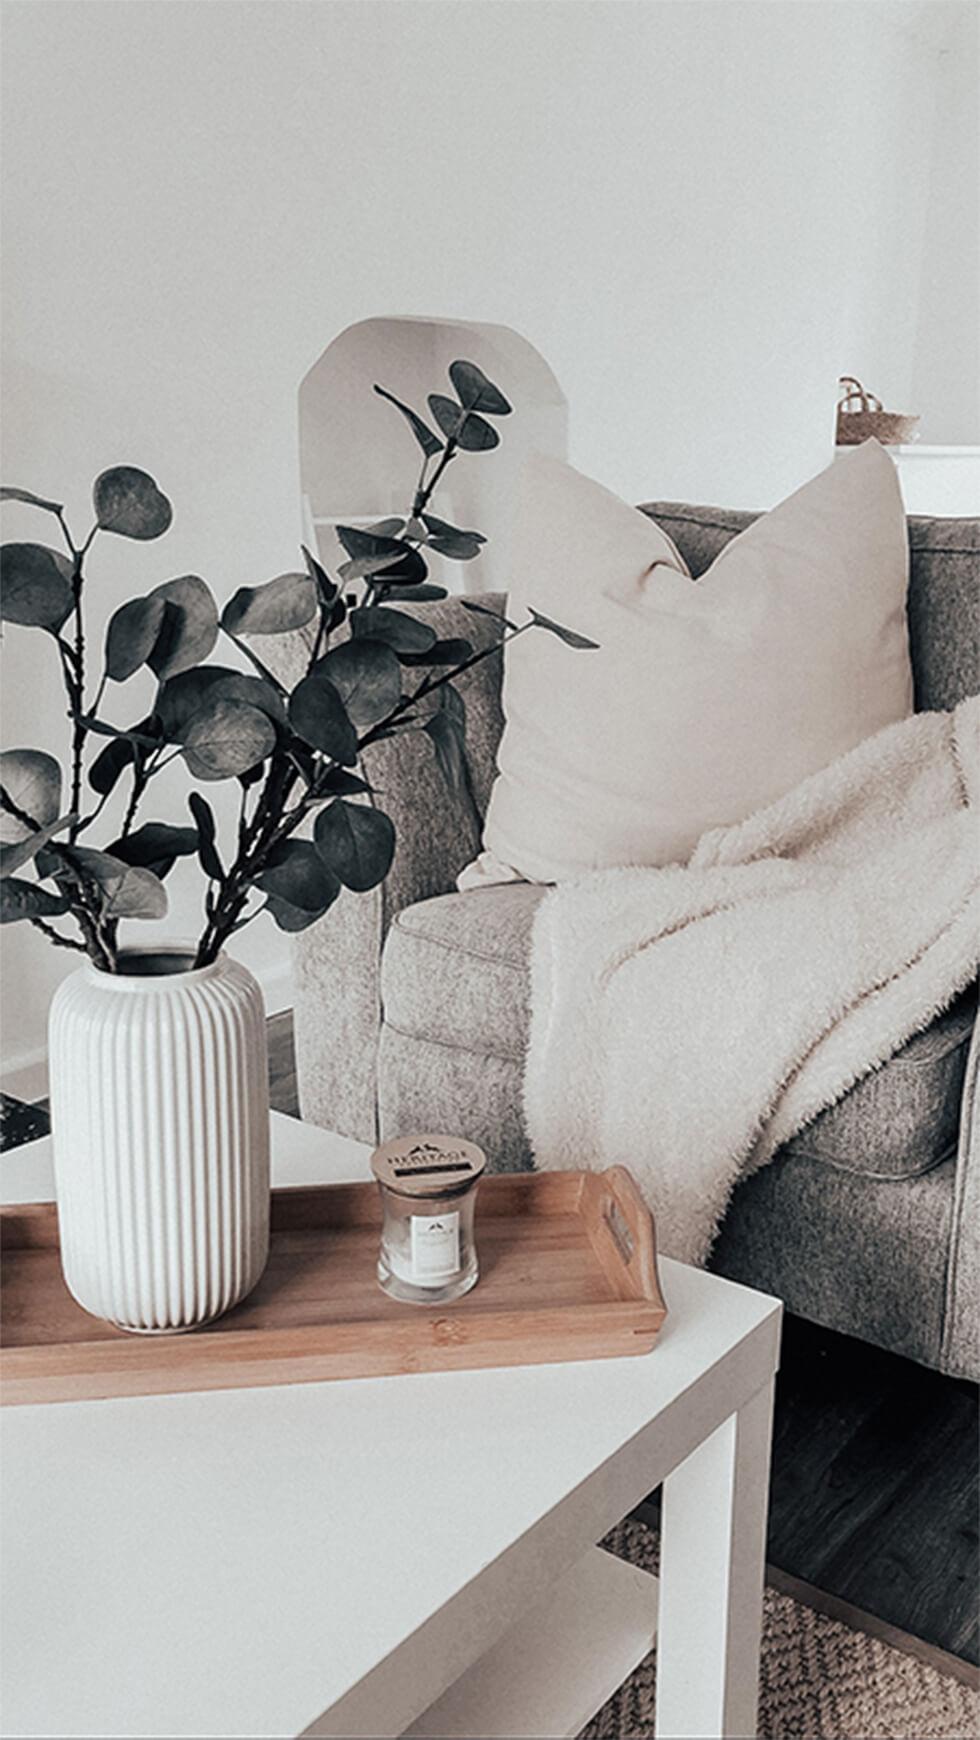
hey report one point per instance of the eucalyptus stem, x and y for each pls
(55, 936)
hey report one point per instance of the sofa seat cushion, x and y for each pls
(455, 969)
(456, 973)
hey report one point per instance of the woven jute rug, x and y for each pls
(820, 1680)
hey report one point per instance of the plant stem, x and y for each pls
(55, 936)
(76, 686)
(423, 495)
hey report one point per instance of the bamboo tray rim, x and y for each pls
(612, 1251)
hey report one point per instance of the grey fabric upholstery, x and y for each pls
(338, 961)
(868, 1221)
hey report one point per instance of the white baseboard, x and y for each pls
(25, 1073)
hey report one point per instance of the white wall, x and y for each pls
(699, 213)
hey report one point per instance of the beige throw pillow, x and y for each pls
(706, 699)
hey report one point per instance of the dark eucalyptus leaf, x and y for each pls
(568, 635)
(404, 634)
(448, 413)
(317, 714)
(35, 586)
(326, 590)
(128, 891)
(206, 841)
(429, 442)
(451, 541)
(110, 763)
(189, 628)
(365, 567)
(20, 899)
(469, 431)
(359, 542)
(416, 594)
(356, 842)
(127, 501)
(15, 856)
(31, 779)
(337, 782)
(367, 677)
(281, 605)
(300, 887)
(155, 846)
(182, 696)
(475, 392)
(131, 636)
(389, 558)
(448, 743)
(391, 528)
(225, 738)
(38, 501)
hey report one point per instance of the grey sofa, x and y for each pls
(412, 1013)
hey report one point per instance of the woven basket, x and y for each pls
(860, 417)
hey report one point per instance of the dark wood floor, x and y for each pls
(875, 1468)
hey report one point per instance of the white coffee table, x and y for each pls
(394, 1555)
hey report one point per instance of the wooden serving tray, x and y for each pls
(568, 1270)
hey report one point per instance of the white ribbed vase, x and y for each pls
(160, 1118)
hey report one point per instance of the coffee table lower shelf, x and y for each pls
(556, 1667)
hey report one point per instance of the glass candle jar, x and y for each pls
(428, 1195)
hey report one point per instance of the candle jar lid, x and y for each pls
(426, 1166)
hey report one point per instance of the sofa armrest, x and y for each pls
(961, 1322)
(337, 961)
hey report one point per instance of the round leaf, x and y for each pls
(131, 635)
(154, 846)
(32, 780)
(226, 738)
(367, 677)
(189, 628)
(416, 594)
(16, 855)
(20, 899)
(287, 602)
(475, 392)
(207, 850)
(127, 891)
(404, 634)
(128, 502)
(182, 696)
(299, 885)
(467, 429)
(371, 553)
(450, 541)
(35, 586)
(317, 714)
(356, 842)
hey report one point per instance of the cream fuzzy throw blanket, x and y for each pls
(687, 1021)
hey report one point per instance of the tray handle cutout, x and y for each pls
(621, 1229)
(613, 1216)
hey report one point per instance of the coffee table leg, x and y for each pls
(711, 1578)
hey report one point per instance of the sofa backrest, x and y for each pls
(944, 590)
